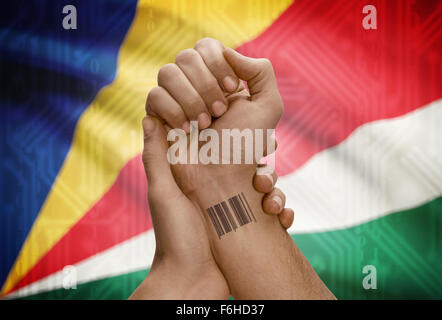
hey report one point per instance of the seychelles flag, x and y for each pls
(359, 146)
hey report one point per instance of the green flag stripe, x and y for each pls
(405, 248)
(118, 287)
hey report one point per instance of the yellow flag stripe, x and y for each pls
(108, 134)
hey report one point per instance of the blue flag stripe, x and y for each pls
(49, 77)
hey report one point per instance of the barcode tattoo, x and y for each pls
(228, 214)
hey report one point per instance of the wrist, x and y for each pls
(174, 282)
(219, 183)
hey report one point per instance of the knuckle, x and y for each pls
(217, 65)
(167, 71)
(205, 42)
(209, 87)
(194, 105)
(265, 64)
(154, 96)
(186, 56)
(175, 114)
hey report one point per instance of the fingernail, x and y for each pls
(186, 126)
(148, 125)
(278, 200)
(203, 120)
(218, 108)
(265, 170)
(229, 83)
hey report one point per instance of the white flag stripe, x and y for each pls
(131, 255)
(382, 167)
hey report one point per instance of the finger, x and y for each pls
(286, 217)
(154, 157)
(211, 51)
(240, 93)
(258, 73)
(193, 66)
(160, 103)
(274, 202)
(264, 179)
(171, 78)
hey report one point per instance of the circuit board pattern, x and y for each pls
(332, 76)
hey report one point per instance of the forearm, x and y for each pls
(259, 259)
(169, 281)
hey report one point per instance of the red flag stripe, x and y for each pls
(334, 75)
(122, 213)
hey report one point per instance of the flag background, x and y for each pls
(359, 146)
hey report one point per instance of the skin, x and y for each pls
(260, 260)
(183, 265)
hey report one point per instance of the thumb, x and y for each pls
(158, 173)
(257, 72)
